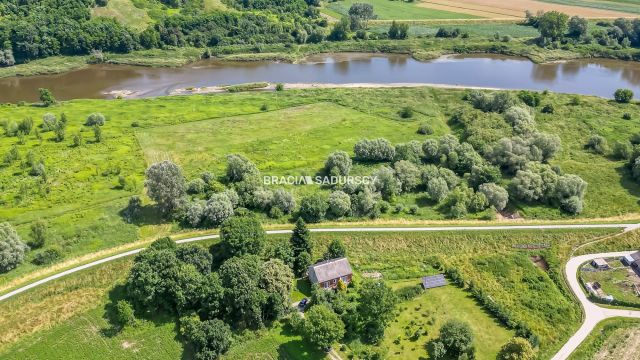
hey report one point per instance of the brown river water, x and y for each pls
(590, 77)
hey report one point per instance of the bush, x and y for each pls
(531, 98)
(279, 86)
(240, 168)
(95, 119)
(622, 150)
(339, 204)
(48, 256)
(124, 314)
(623, 96)
(437, 189)
(38, 234)
(283, 200)
(521, 120)
(338, 164)
(196, 186)
(548, 109)
(626, 116)
(406, 112)
(374, 150)
(217, 209)
(425, 129)
(408, 174)
(313, 208)
(496, 195)
(597, 144)
(12, 248)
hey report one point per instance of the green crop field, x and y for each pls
(69, 316)
(397, 10)
(83, 197)
(628, 6)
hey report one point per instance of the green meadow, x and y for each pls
(396, 10)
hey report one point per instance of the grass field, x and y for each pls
(396, 10)
(611, 339)
(626, 241)
(429, 311)
(69, 314)
(82, 197)
(126, 13)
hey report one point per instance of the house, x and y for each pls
(327, 273)
(631, 259)
(600, 263)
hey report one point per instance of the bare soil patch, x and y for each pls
(540, 262)
(499, 9)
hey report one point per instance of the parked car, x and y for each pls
(303, 303)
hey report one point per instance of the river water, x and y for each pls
(591, 77)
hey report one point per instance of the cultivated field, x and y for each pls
(612, 339)
(499, 9)
(397, 10)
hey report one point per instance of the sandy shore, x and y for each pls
(296, 86)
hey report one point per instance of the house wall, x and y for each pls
(333, 283)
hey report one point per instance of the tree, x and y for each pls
(313, 208)
(210, 338)
(386, 182)
(322, 327)
(437, 189)
(456, 338)
(335, 250)
(398, 31)
(496, 195)
(97, 134)
(165, 185)
(553, 24)
(623, 96)
(338, 164)
(374, 150)
(516, 349)
(360, 14)
(153, 279)
(484, 173)
(38, 234)
(375, 309)
(301, 247)
(242, 235)
(46, 97)
(12, 248)
(240, 168)
(339, 204)
(408, 174)
(340, 30)
(217, 209)
(125, 315)
(283, 200)
(133, 210)
(277, 281)
(521, 119)
(578, 27)
(243, 298)
(197, 256)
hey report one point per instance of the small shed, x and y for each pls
(630, 259)
(430, 282)
(327, 273)
(600, 263)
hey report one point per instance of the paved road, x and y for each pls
(625, 227)
(593, 313)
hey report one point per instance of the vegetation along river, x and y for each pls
(591, 77)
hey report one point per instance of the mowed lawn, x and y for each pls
(397, 10)
(429, 311)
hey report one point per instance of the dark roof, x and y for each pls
(429, 282)
(329, 270)
(636, 255)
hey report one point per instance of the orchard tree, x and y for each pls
(322, 327)
(242, 235)
(12, 248)
(517, 349)
(165, 184)
(553, 25)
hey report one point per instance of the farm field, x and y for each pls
(397, 10)
(84, 186)
(497, 9)
(612, 339)
(80, 301)
(628, 6)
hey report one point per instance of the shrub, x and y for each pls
(521, 120)
(46, 97)
(49, 122)
(386, 182)
(240, 168)
(531, 98)
(408, 174)
(597, 144)
(339, 204)
(133, 210)
(374, 150)
(38, 234)
(626, 116)
(217, 209)
(411, 151)
(437, 189)
(622, 150)
(313, 208)
(124, 314)
(425, 129)
(48, 256)
(194, 213)
(623, 96)
(12, 248)
(548, 109)
(196, 186)
(406, 112)
(496, 195)
(95, 119)
(491, 102)
(283, 200)
(279, 86)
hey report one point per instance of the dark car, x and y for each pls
(303, 303)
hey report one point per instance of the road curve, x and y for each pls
(625, 227)
(593, 313)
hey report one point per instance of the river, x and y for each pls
(590, 77)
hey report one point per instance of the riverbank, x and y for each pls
(422, 48)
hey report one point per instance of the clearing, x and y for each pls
(396, 10)
(126, 13)
(499, 9)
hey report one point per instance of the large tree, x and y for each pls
(376, 306)
(302, 247)
(242, 235)
(243, 298)
(210, 338)
(277, 281)
(12, 248)
(322, 327)
(456, 340)
(516, 349)
(165, 185)
(553, 25)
